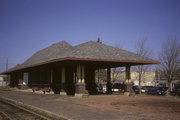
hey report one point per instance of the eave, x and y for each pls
(84, 59)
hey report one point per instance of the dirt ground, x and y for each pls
(155, 107)
(103, 107)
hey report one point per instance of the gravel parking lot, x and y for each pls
(104, 107)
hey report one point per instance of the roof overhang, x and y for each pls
(130, 62)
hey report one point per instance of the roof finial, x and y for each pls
(99, 40)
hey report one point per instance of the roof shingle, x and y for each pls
(88, 50)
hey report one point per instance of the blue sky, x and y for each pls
(27, 26)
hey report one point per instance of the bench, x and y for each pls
(35, 89)
(46, 89)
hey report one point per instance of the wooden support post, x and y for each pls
(108, 85)
(82, 73)
(78, 74)
(128, 89)
(63, 78)
(128, 74)
(80, 82)
(91, 86)
(51, 76)
(63, 75)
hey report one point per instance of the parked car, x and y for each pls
(136, 89)
(118, 87)
(175, 92)
(145, 89)
(157, 91)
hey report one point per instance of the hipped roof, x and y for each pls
(89, 51)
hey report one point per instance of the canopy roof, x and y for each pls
(89, 51)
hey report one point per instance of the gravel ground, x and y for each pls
(140, 107)
(103, 107)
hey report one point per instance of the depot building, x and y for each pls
(71, 69)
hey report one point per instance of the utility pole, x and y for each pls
(6, 64)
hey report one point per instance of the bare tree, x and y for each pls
(118, 74)
(101, 75)
(117, 71)
(143, 50)
(170, 60)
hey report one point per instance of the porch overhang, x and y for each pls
(109, 62)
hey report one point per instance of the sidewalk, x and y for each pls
(57, 104)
